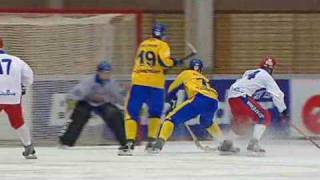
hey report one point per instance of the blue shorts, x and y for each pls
(153, 97)
(191, 108)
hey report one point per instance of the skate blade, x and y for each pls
(127, 153)
(209, 149)
(31, 157)
(148, 150)
(153, 151)
(256, 154)
(228, 153)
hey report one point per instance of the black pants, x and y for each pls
(110, 113)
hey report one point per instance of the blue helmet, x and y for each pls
(104, 66)
(196, 64)
(158, 30)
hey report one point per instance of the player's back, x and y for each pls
(11, 78)
(153, 57)
(195, 83)
(250, 82)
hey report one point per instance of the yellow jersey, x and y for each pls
(152, 59)
(194, 82)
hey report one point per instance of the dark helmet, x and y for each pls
(104, 66)
(268, 63)
(196, 64)
(158, 30)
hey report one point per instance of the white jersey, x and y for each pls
(13, 74)
(253, 80)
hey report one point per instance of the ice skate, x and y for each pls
(227, 148)
(151, 142)
(127, 149)
(254, 149)
(157, 147)
(29, 152)
(65, 147)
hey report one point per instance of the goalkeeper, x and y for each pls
(100, 94)
(202, 100)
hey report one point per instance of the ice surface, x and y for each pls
(285, 159)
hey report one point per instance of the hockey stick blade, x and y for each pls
(193, 49)
(304, 135)
(197, 142)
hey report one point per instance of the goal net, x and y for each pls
(63, 48)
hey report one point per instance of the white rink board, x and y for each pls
(285, 160)
(301, 91)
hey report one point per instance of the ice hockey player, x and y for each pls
(15, 76)
(202, 100)
(100, 94)
(247, 111)
(148, 80)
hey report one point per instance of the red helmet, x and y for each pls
(268, 62)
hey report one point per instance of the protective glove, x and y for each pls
(178, 62)
(71, 104)
(284, 118)
(23, 90)
(284, 114)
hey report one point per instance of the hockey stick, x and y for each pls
(197, 142)
(304, 135)
(193, 51)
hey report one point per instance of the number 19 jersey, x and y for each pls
(153, 57)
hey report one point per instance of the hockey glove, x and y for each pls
(285, 114)
(71, 104)
(284, 117)
(23, 90)
(178, 62)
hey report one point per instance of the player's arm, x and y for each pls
(277, 95)
(27, 75)
(77, 93)
(80, 91)
(165, 58)
(118, 93)
(176, 85)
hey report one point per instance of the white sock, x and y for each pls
(24, 134)
(258, 131)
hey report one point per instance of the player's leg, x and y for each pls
(208, 109)
(79, 118)
(183, 112)
(17, 122)
(136, 98)
(262, 119)
(155, 102)
(114, 118)
(241, 121)
(247, 111)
